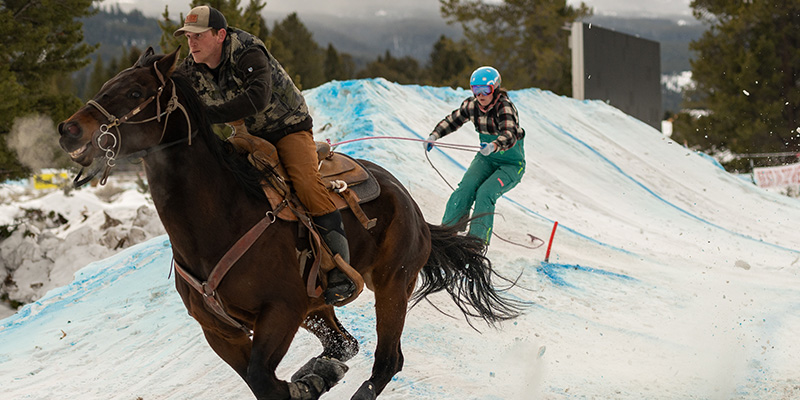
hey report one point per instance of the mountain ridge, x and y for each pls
(401, 34)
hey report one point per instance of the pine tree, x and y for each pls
(523, 39)
(97, 77)
(404, 70)
(168, 42)
(102, 73)
(40, 45)
(114, 66)
(338, 66)
(132, 56)
(450, 63)
(747, 72)
(252, 21)
(294, 47)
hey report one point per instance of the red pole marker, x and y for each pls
(550, 244)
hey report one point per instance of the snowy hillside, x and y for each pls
(668, 278)
(54, 235)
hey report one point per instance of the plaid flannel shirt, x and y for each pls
(502, 120)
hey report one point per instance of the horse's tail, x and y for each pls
(458, 265)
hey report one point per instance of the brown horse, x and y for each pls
(208, 196)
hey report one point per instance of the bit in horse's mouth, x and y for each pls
(79, 152)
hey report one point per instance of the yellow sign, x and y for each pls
(49, 181)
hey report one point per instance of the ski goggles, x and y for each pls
(482, 90)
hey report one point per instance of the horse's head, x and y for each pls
(121, 118)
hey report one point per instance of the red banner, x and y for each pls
(777, 176)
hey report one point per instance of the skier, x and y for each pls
(499, 165)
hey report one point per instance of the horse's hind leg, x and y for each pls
(336, 341)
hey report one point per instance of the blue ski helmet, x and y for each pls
(485, 76)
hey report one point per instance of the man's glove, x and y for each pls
(429, 143)
(488, 148)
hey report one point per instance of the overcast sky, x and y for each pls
(648, 8)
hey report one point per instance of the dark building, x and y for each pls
(618, 68)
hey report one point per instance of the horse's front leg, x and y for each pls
(273, 331)
(232, 346)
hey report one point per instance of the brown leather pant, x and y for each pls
(298, 154)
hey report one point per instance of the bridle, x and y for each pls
(112, 150)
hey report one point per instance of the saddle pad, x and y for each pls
(359, 179)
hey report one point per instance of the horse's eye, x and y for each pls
(135, 94)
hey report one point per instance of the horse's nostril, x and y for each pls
(69, 128)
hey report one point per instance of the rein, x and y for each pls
(454, 146)
(114, 122)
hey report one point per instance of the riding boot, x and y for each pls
(331, 228)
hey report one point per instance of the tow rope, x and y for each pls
(534, 242)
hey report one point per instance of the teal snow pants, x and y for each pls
(486, 179)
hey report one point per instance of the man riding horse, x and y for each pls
(238, 79)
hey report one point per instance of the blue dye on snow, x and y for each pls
(656, 195)
(16, 182)
(556, 273)
(89, 279)
(710, 159)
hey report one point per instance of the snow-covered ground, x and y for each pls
(55, 233)
(668, 279)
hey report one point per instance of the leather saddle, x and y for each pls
(341, 174)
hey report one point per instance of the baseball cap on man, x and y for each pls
(201, 19)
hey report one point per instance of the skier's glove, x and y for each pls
(488, 148)
(429, 143)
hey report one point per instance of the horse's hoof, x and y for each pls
(365, 392)
(306, 369)
(330, 369)
(309, 387)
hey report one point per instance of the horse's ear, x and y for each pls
(167, 64)
(147, 53)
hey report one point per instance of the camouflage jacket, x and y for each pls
(229, 90)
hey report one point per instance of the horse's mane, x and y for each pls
(248, 177)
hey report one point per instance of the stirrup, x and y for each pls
(346, 284)
(340, 287)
